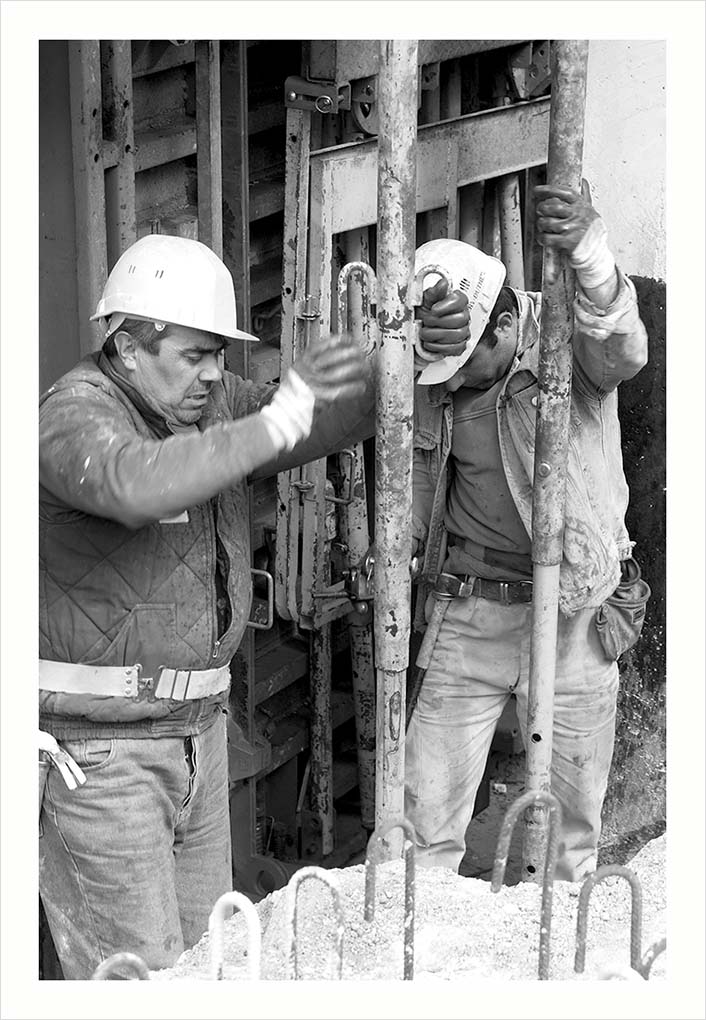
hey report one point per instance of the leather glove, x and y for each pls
(445, 319)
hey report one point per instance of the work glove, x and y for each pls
(334, 368)
(445, 320)
(568, 223)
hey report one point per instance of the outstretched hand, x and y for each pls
(563, 215)
(445, 318)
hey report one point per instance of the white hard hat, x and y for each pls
(172, 279)
(479, 276)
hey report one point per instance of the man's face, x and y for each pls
(179, 378)
(488, 364)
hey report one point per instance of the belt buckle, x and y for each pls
(504, 587)
(171, 683)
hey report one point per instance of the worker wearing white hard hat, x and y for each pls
(146, 448)
(475, 412)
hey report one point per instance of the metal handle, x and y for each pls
(348, 498)
(255, 624)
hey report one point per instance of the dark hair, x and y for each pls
(506, 302)
(144, 333)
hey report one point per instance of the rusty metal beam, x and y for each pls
(348, 59)
(121, 224)
(89, 185)
(208, 144)
(568, 59)
(511, 230)
(397, 85)
(475, 148)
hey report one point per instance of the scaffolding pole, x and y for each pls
(397, 178)
(564, 164)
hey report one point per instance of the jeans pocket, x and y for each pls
(90, 753)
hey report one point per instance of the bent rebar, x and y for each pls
(371, 861)
(215, 933)
(650, 955)
(530, 799)
(605, 871)
(303, 875)
(122, 967)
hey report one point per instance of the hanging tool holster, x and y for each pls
(446, 587)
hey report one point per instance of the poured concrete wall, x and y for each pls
(624, 162)
(625, 149)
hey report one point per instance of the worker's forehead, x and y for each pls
(186, 338)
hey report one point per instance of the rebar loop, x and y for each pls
(122, 967)
(303, 875)
(371, 861)
(650, 955)
(636, 914)
(216, 923)
(531, 799)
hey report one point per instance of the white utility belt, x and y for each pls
(128, 682)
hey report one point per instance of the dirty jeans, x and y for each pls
(135, 859)
(481, 657)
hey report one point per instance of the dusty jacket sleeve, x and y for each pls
(610, 345)
(423, 489)
(93, 460)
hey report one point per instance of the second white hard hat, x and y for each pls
(172, 279)
(479, 276)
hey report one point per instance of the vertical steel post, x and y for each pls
(569, 59)
(397, 176)
(511, 230)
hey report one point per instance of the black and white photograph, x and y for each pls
(346, 363)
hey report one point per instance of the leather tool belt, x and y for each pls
(509, 593)
(128, 682)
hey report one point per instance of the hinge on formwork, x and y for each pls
(320, 96)
(529, 69)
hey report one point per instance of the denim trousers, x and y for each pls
(135, 859)
(480, 659)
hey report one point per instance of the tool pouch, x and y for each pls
(619, 620)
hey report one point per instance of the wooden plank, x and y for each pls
(490, 143)
(168, 143)
(208, 144)
(121, 226)
(266, 198)
(89, 185)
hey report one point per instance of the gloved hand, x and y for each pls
(567, 222)
(445, 319)
(332, 369)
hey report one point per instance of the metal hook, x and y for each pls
(532, 798)
(651, 954)
(636, 914)
(303, 875)
(371, 861)
(120, 967)
(368, 296)
(215, 933)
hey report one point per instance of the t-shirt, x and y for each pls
(479, 507)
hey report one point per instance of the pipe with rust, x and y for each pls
(397, 174)
(565, 156)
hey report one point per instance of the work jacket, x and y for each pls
(609, 346)
(133, 519)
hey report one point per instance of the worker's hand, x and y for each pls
(334, 368)
(563, 216)
(445, 319)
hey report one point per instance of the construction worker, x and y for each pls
(475, 407)
(146, 449)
